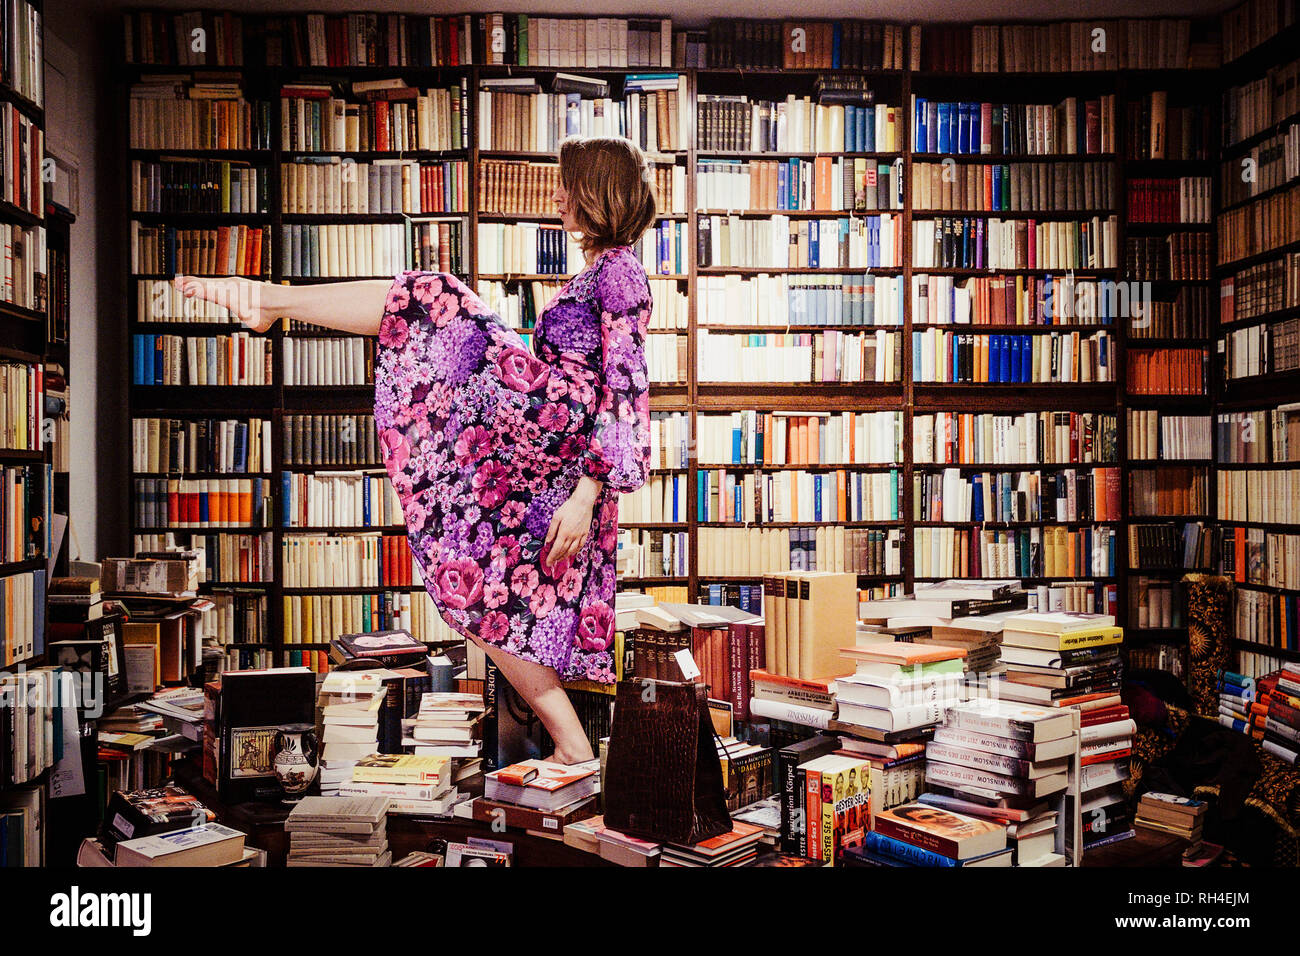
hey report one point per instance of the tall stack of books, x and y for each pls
(1105, 747)
(1276, 714)
(1236, 694)
(898, 686)
(339, 831)
(1008, 762)
(412, 784)
(350, 703)
(446, 725)
(1060, 658)
(925, 834)
(539, 796)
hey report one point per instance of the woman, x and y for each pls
(509, 464)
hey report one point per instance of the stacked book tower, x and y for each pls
(1007, 762)
(1105, 748)
(1237, 693)
(411, 784)
(339, 831)
(1275, 713)
(539, 796)
(350, 703)
(1173, 814)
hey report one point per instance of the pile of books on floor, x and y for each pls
(1267, 708)
(1236, 693)
(164, 826)
(412, 784)
(1169, 813)
(592, 836)
(927, 834)
(339, 831)
(350, 703)
(539, 796)
(1105, 747)
(739, 847)
(1009, 763)
(1059, 658)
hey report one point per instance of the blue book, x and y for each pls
(976, 128)
(977, 497)
(906, 853)
(867, 138)
(963, 128)
(921, 138)
(817, 498)
(1027, 361)
(945, 128)
(814, 244)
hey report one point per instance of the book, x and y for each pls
(210, 844)
(941, 831)
(553, 786)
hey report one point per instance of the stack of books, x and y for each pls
(74, 600)
(592, 836)
(739, 847)
(350, 703)
(539, 796)
(1277, 716)
(339, 831)
(181, 710)
(1236, 694)
(134, 814)
(447, 725)
(923, 834)
(898, 686)
(1060, 658)
(1170, 813)
(1105, 746)
(412, 784)
(1009, 763)
(209, 844)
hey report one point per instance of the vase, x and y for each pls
(295, 760)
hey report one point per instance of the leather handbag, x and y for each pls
(663, 778)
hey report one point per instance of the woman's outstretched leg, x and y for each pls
(539, 686)
(355, 307)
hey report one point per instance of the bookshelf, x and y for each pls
(1072, 193)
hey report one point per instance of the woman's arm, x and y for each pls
(354, 307)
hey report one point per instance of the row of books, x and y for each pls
(662, 499)
(1174, 490)
(828, 356)
(1058, 47)
(319, 618)
(1252, 22)
(1260, 289)
(368, 248)
(1153, 434)
(793, 496)
(790, 300)
(24, 280)
(222, 250)
(338, 500)
(1259, 226)
(240, 616)
(1261, 349)
(802, 44)
(1017, 497)
(776, 438)
(782, 242)
(1158, 130)
(1257, 104)
(1180, 256)
(1169, 546)
(347, 561)
(1258, 496)
(755, 550)
(328, 361)
(333, 185)
(22, 638)
(1022, 300)
(737, 122)
(227, 558)
(185, 115)
(1259, 436)
(1051, 551)
(515, 115)
(1267, 619)
(22, 158)
(953, 242)
(1059, 186)
(335, 439)
(201, 503)
(199, 185)
(391, 117)
(22, 389)
(237, 359)
(569, 41)
(1186, 316)
(821, 183)
(1185, 199)
(1071, 127)
(942, 356)
(1174, 371)
(1268, 165)
(653, 553)
(1033, 438)
(1154, 603)
(226, 445)
(159, 300)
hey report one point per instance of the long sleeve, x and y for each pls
(619, 450)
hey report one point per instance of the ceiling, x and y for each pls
(697, 12)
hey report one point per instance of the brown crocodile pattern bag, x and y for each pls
(663, 778)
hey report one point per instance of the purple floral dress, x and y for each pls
(484, 440)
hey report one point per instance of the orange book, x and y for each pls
(903, 653)
(822, 182)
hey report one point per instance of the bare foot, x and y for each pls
(568, 760)
(247, 299)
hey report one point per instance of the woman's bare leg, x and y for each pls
(354, 307)
(540, 688)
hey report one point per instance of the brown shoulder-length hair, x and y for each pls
(608, 182)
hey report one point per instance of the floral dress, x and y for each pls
(484, 440)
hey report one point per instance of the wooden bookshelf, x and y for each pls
(916, 73)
